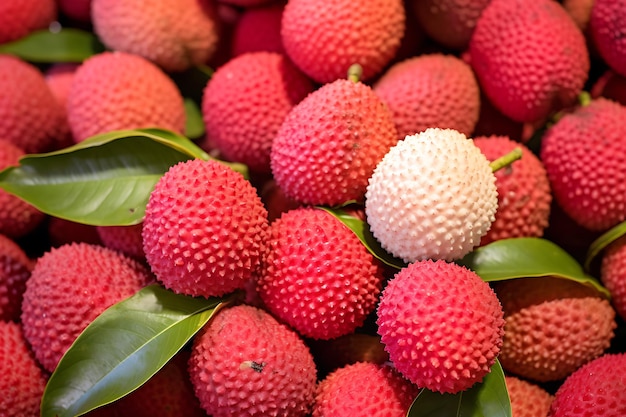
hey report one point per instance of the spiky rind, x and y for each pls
(613, 274)
(606, 26)
(527, 399)
(15, 268)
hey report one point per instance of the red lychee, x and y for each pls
(59, 78)
(580, 11)
(244, 363)
(204, 229)
(424, 323)
(607, 27)
(78, 10)
(317, 276)
(610, 85)
(125, 239)
(61, 231)
(258, 29)
(527, 399)
(613, 274)
(19, 18)
(15, 267)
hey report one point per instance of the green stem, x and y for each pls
(355, 72)
(506, 160)
(584, 98)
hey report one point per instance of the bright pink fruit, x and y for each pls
(527, 399)
(15, 269)
(613, 274)
(607, 28)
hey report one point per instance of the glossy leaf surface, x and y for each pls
(44, 46)
(598, 245)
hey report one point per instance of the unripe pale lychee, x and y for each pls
(432, 196)
(15, 267)
(527, 399)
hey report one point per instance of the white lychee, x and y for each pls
(433, 196)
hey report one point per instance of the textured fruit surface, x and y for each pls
(15, 269)
(244, 363)
(125, 239)
(580, 11)
(583, 154)
(245, 103)
(527, 399)
(258, 29)
(553, 326)
(22, 381)
(529, 56)
(364, 389)
(174, 34)
(610, 85)
(317, 276)
(430, 337)
(598, 389)
(613, 274)
(204, 229)
(432, 196)
(345, 350)
(608, 31)
(68, 288)
(325, 41)
(102, 100)
(432, 90)
(523, 191)
(329, 144)
(19, 18)
(59, 79)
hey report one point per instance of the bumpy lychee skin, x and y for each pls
(174, 34)
(433, 90)
(15, 267)
(432, 196)
(527, 399)
(325, 41)
(583, 155)
(258, 29)
(430, 337)
(23, 381)
(244, 363)
(598, 389)
(553, 326)
(345, 350)
(59, 79)
(68, 288)
(117, 90)
(607, 28)
(524, 195)
(317, 276)
(329, 144)
(364, 389)
(529, 56)
(19, 18)
(245, 103)
(613, 274)
(125, 239)
(204, 229)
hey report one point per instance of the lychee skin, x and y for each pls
(610, 85)
(583, 156)
(432, 196)
(325, 41)
(15, 268)
(317, 276)
(364, 389)
(258, 29)
(444, 82)
(244, 363)
(19, 18)
(68, 288)
(117, 90)
(204, 229)
(598, 389)
(23, 381)
(530, 57)
(174, 34)
(424, 323)
(125, 239)
(524, 195)
(613, 274)
(527, 399)
(606, 26)
(329, 144)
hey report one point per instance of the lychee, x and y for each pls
(527, 399)
(244, 363)
(610, 85)
(125, 239)
(204, 229)
(59, 79)
(258, 29)
(441, 324)
(117, 90)
(317, 276)
(530, 57)
(68, 288)
(329, 144)
(613, 274)
(580, 11)
(77, 10)
(433, 195)
(15, 267)
(607, 27)
(61, 231)
(432, 90)
(20, 18)
(325, 41)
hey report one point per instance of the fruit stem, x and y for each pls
(355, 72)
(506, 160)
(584, 98)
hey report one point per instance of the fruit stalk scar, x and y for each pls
(506, 160)
(355, 72)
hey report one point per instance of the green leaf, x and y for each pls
(362, 230)
(602, 242)
(194, 127)
(44, 46)
(489, 398)
(524, 258)
(122, 348)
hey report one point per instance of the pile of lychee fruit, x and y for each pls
(441, 127)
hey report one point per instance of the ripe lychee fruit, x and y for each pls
(125, 239)
(491, 122)
(529, 56)
(245, 103)
(61, 231)
(524, 196)
(553, 326)
(527, 399)
(19, 18)
(329, 144)
(317, 276)
(59, 78)
(15, 267)
(174, 34)
(433, 90)
(23, 381)
(117, 90)
(244, 363)
(364, 389)
(580, 11)
(204, 229)
(432, 196)
(68, 288)
(598, 389)
(77, 10)
(613, 274)
(424, 324)
(607, 27)
(584, 155)
(258, 29)
(325, 41)
(610, 85)
(246, 3)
